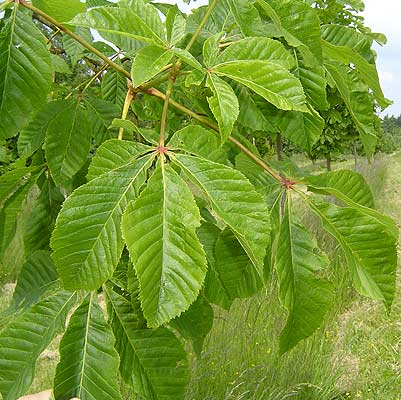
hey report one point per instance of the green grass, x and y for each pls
(357, 355)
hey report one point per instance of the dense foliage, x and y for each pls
(140, 186)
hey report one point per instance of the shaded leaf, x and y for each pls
(305, 294)
(89, 363)
(370, 252)
(153, 361)
(25, 72)
(24, 339)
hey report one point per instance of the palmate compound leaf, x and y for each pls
(87, 240)
(153, 361)
(169, 261)
(25, 338)
(25, 72)
(306, 295)
(235, 202)
(370, 251)
(269, 80)
(88, 366)
(223, 103)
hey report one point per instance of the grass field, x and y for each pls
(356, 356)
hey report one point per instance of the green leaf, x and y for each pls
(299, 24)
(10, 221)
(74, 49)
(359, 105)
(187, 57)
(153, 361)
(305, 294)
(148, 62)
(25, 72)
(235, 201)
(175, 25)
(44, 210)
(264, 184)
(124, 25)
(114, 154)
(159, 229)
(100, 114)
(346, 36)
(236, 272)
(345, 184)
(60, 65)
(215, 291)
(271, 81)
(258, 48)
(302, 22)
(67, 142)
(114, 87)
(60, 10)
(32, 137)
(89, 363)
(223, 103)
(25, 338)
(314, 82)
(370, 252)
(211, 50)
(87, 241)
(368, 72)
(251, 116)
(195, 323)
(246, 17)
(301, 128)
(200, 141)
(351, 188)
(37, 276)
(11, 181)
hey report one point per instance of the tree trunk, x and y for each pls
(355, 157)
(328, 163)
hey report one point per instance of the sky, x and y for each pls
(385, 16)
